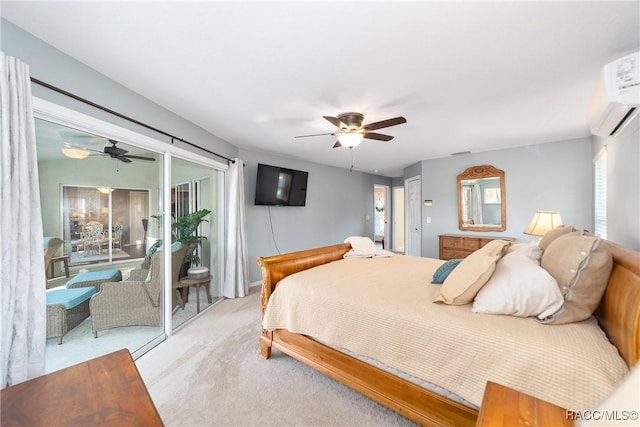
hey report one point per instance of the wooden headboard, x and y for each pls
(619, 311)
(277, 267)
(618, 314)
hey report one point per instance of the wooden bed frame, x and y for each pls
(618, 314)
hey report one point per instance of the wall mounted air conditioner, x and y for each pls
(616, 100)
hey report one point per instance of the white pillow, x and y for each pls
(519, 287)
(531, 250)
(363, 247)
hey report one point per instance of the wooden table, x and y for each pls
(106, 391)
(503, 406)
(185, 283)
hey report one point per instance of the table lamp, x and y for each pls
(542, 222)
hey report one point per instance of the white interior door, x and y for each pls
(413, 232)
(398, 219)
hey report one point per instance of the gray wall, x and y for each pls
(54, 67)
(338, 202)
(623, 185)
(556, 176)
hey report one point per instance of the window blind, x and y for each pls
(600, 193)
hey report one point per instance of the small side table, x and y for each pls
(185, 283)
(503, 406)
(52, 262)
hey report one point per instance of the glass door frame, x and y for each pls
(46, 110)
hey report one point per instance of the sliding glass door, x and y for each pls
(96, 204)
(106, 194)
(197, 189)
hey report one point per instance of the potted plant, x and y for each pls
(183, 230)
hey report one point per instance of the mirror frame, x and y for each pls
(483, 171)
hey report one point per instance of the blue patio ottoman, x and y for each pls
(94, 278)
(66, 308)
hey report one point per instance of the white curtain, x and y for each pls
(476, 213)
(236, 282)
(22, 275)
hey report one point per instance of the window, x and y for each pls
(600, 193)
(88, 213)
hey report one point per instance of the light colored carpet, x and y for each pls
(211, 374)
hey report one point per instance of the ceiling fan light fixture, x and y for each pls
(350, 139)
(75, 153)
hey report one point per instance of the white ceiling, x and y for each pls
(468, 76)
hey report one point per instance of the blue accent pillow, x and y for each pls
(444, 270)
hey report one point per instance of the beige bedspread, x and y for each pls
(381, 308)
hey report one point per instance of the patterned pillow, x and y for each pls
(444, 270)
(471, 274)
(581, 265)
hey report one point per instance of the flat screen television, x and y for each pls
(276, 186)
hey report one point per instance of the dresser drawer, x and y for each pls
(461, 243)
(454, 246)
(453, 254)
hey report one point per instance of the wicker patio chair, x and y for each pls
(51, 246)
(134, 303)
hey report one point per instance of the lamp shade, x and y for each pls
(542, 222)
(350, 139)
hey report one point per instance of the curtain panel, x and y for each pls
(236, 283)
(22, 273)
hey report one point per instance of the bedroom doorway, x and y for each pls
(380, 213)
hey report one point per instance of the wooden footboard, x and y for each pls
(414, 402)
(619, 315)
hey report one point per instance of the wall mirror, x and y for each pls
(481, 199)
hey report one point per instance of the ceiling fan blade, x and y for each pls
(378, 136)
(123, 159)
(315, 134)
(128, 156)
(336, 122)
(337, 144)
(385, 123)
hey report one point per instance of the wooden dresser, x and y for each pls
(455, 246)
(105, 391)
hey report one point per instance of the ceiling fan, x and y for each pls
(352, 131)
(121, 154)
(83, 151)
